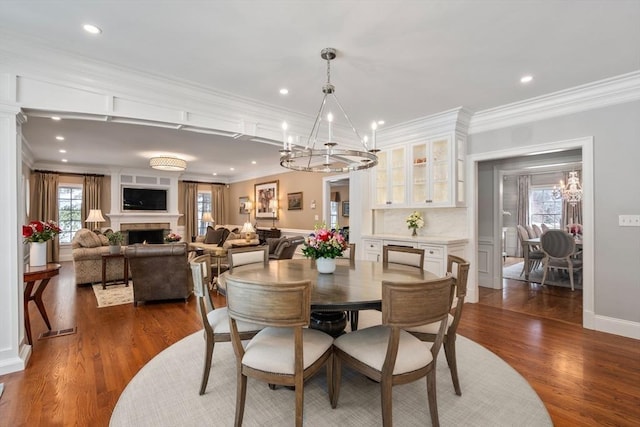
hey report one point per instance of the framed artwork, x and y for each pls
(294, 201)
(266, 200)
(243, 209)
(345, 208)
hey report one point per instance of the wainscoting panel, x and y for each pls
(485, 264)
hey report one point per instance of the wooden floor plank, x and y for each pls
(583, 377)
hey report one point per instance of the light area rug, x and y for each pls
(113, 295)
(553, 279)
(165, 393)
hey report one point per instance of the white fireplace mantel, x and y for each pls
(117, 219)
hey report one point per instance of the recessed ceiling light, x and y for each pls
(60, 138)
(526, 79)
(91, 29)
(380, 122)
(232, 169)
(62, 151)
(64, 160)
(253, 162)
(284, 91)
(56, 118)
(215, 174)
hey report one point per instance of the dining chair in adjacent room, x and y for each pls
(537, 230)
(559, 248)
(544, 227)
(215, 321)
(429, 332)
(285, 352)
(249, 255)
(403, 255)
(392, 356)
(535, 254)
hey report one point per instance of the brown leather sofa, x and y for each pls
(159, 272)
(286, 247)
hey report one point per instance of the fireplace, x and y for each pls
(152, 232)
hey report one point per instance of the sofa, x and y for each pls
(159, 271)
(218, 239)
(283, 247)
(87, 248)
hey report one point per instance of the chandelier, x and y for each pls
(330, 158)
(167, 163)
(572, 192)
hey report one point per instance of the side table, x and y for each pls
(41, 276)
(107, 257)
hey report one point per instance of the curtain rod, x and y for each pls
(201, 182)
(70, 173)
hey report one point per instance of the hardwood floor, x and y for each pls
(583, 377)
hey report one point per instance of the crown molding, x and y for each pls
(602, 93)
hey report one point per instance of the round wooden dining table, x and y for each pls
(352, 286)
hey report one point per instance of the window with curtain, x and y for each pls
(69, 211)
(203, 204)
(544, 208)
(333, 215)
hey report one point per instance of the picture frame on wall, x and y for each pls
(294, 201)
(266, 200)
(345, 208)
(243, 209)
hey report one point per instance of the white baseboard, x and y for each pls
(611, 325)
(16, 364)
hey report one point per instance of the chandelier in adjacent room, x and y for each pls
(571, 192)
(330, 158)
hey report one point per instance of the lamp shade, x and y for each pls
(95, 215)
(247, 228)
(206, 217)
(167, 163)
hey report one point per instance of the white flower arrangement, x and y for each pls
(415, 220)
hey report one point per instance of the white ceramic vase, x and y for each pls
(326, 265)
(37, 254)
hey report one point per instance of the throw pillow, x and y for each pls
(225, 234)
(104, 240)
(214, 237)
(88, 239)
(233, 236)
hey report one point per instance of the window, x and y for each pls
(544, 208)
(333, 216)
(203, 206)
(69, 211)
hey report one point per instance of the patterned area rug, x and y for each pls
(165, 393)
(113, 295)
(558, 278)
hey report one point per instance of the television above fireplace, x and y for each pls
(144, 199)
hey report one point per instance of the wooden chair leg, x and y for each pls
(330, 386)
(433, 400)
(337, 376)
(386, 402)
(241, 394)
(354, 320)
(299, 402)
(208, 355)
(450, 353)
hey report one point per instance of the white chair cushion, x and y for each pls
(370, 347)
(219, 321)
(271, 350)
(406, 258)
(431, 328)
(250, 257)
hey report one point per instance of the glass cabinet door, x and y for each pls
(382, 179)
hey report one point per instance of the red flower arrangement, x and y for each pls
(324, 243)
(40, 231)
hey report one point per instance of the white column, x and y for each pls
(14, 353)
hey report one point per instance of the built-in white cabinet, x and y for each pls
(429, 173)
(435, 254)
(391, 178)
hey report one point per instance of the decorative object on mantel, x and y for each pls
(37, 234)
(415, 221)
(328, 159)
(95, 216)
(168, 163)
(572, 192)
(324, 246)
(172, 238)
(115, 241)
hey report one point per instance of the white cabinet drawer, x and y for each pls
(402, 243)
(432, 251)
(372, 245)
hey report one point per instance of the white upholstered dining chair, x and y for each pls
(559, 249)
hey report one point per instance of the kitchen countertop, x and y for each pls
(437, 240)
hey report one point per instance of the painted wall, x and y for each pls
(310, 184)
(616, 132)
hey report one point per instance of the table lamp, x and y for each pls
(247, 207)
(207, 218)
(95, 216)
(247, 230)
(273, 206)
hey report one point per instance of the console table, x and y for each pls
(105, 259)
(37, 278)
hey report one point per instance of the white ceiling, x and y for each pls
(398, 60)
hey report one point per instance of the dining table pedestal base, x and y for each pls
(331, 322)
